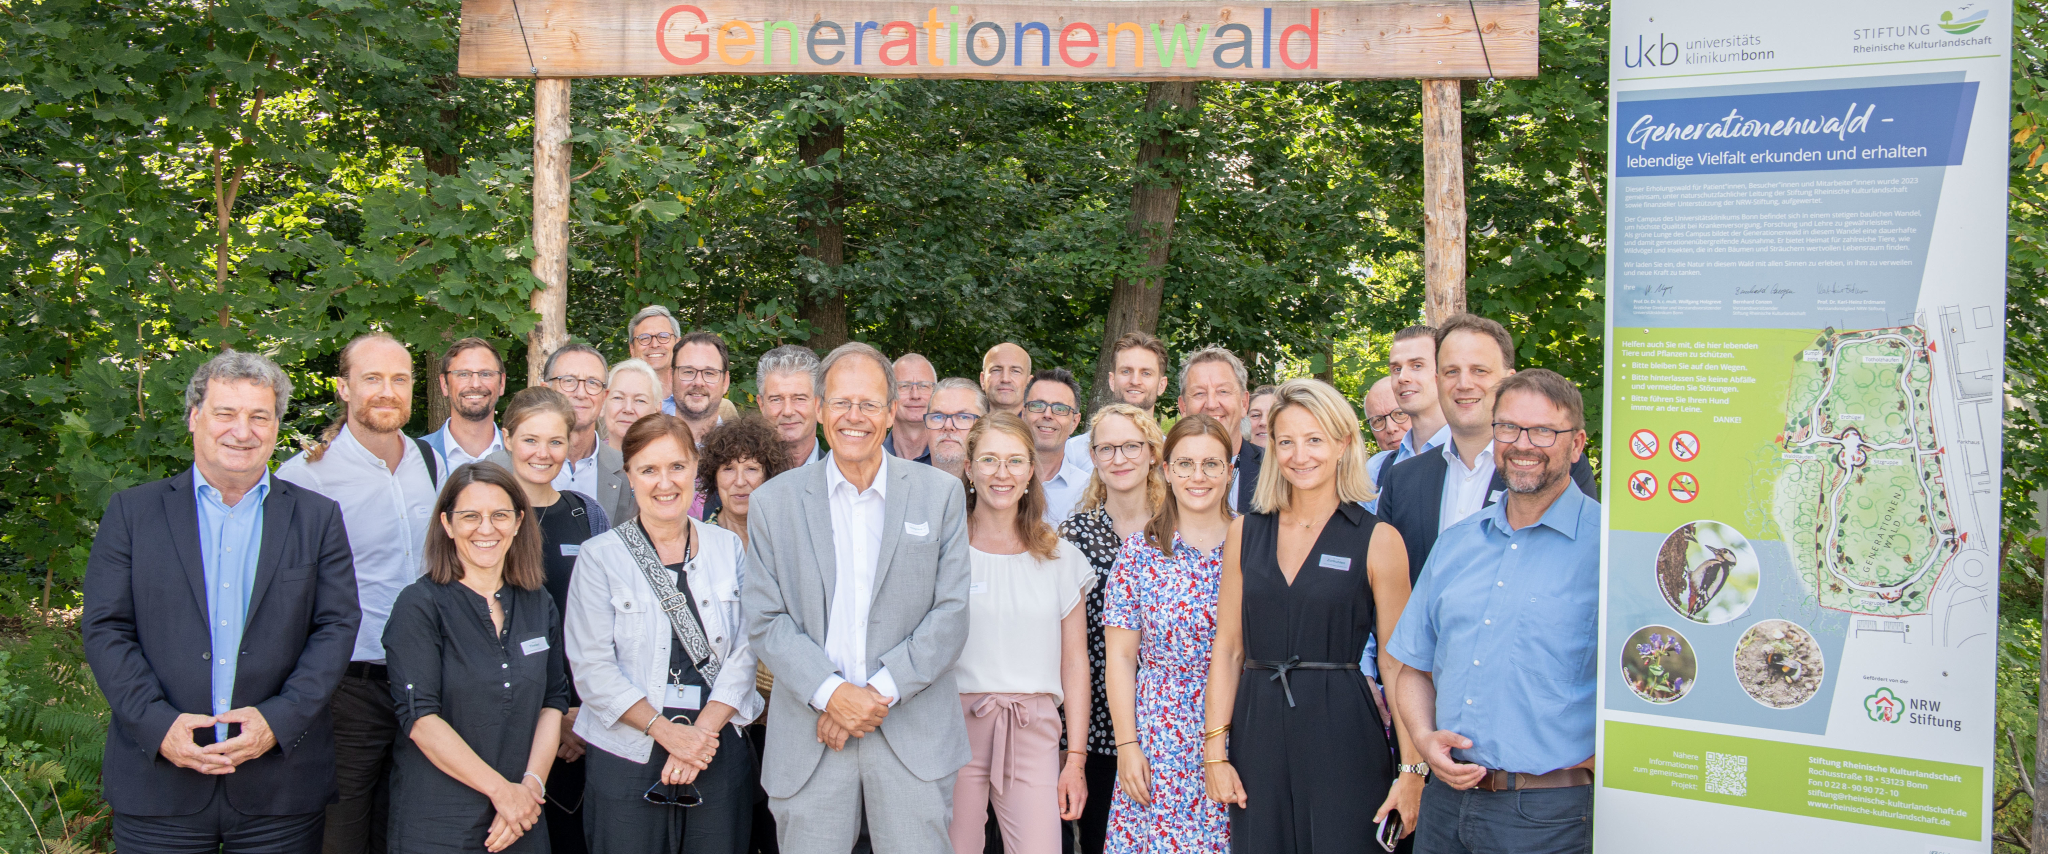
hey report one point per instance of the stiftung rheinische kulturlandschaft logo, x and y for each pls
(1884, 706)
(1966, 23)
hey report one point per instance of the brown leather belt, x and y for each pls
(1509, 781)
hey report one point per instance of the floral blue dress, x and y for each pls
(1171, 602)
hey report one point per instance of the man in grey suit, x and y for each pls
(856, 598)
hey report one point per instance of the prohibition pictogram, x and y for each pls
(1685, 446)
(1642, 485)
(1643, 444)
(1684, 487)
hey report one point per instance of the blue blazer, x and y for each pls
(146, 614)
(1412, 499)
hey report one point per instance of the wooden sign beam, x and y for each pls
(1293, 40)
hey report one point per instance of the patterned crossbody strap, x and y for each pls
(673, 602)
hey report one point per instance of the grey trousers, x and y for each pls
(905, 815)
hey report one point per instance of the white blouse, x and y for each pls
(1014, 607)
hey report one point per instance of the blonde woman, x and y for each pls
(1026, 652)
(1297, 744)
(1124, 491)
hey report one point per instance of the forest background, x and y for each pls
(181, 175)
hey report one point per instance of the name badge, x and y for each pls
(917, 529)
(570, 550)
(686, 697)
(1336, 562)
(539, 644)
(977, 588)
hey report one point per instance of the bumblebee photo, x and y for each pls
(1708, 572)
(1658, 664)
(1778, 664)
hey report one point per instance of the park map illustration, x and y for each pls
(1861, 498)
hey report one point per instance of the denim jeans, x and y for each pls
(1530, 821)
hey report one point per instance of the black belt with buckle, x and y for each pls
(369, 670)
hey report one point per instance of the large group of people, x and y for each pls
(881, 610)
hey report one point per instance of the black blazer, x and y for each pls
(145, 614)
(1250, 458)
(1412, 499)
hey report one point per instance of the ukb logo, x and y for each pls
(1664, 52)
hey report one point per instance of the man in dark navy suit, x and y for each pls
(1213, 382)
(220, 609)
(1435, 489)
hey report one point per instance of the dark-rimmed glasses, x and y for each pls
(1127, 450)
(1541, 437)
(1038, 406)
(685, 795)
(1379, 422)
(567, 384)
(950, 420)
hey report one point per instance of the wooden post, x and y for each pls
(550, 223)
(1443, 199)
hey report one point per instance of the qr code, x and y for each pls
(1727, 774)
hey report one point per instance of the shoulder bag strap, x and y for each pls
(673, 602)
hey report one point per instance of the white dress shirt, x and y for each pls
(857, 546)
(1079, 452)
(580, 475)
(386, 513)
(1464, 488)
(1064, 489)
(452, 450)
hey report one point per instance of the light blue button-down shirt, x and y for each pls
(229, 540)
(1504, 622)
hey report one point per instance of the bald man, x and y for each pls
(1388, 425)
(1005, 371)
(908, 438)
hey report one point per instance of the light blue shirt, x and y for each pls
(229, 540)
(1403, 449)
(1505, 623)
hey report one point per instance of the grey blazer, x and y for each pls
(917, 623)
(614, 493)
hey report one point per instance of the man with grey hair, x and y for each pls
(789, 400)
(1213, 382)
(651, 337)
(235, 750)
(908, 438)
(865, 721)
(957, 402)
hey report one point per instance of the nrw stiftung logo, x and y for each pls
(1968, 23)
(1884, 706)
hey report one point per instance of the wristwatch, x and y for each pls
(1417, 768)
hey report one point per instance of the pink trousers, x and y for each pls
(1016, 741)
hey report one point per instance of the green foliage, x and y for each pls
(53, 727)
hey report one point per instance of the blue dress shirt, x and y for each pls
(229, 540)
(1504, 620)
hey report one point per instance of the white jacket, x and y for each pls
(617, 636)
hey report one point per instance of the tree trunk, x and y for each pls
(444, 163)
(824, 239)
(550, 223)
(2038, 839)
(1443, 199)
(1134, 301)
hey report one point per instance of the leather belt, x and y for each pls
(1509, 781)
(1280, 669)
(369, 670)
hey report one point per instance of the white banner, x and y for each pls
(1806, 300)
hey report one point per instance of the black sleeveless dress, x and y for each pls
(1314, 773)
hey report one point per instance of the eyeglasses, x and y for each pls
(869, 408)
(690, 375)
(568, 384)
(907, 387)
(1211, 467)
(646, 338)
(1377, 423)
(1038, 406)
(685, 795)
(1541, 437)
(988, 464)
(472, 518)
(466, 376)
(950, 421)
(1127, 450)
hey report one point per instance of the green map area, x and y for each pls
(1861, 498)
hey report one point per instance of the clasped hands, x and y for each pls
(220, 757)
(853, 710)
